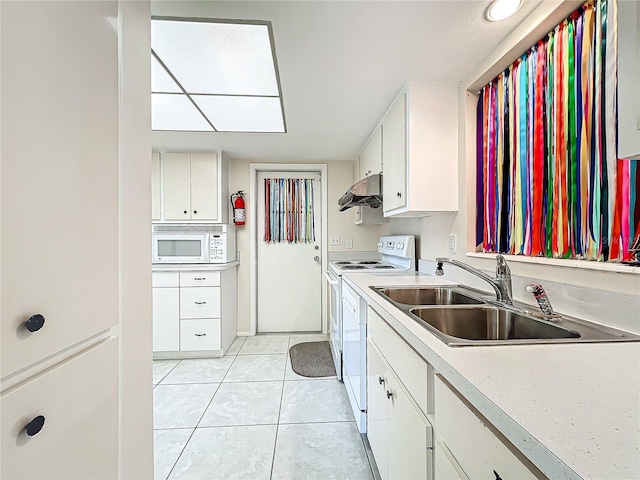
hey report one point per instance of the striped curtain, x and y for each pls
(289, 210)
(549, 180)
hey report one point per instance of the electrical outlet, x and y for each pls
(453, 238)
(349, 242)
(334, 241)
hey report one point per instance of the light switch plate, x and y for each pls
(334, 241)
(349, 243)
(453, 240)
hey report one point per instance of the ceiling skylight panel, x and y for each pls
(176, 112)
(242, 114)
(217, 58)
(161, 81)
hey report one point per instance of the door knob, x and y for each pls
(34, 426)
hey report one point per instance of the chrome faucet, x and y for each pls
(501, 284)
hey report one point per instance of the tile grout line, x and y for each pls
(201, 416)
(165, 376)
(275, 442)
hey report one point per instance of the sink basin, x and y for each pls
(489, 323)
(427, 296)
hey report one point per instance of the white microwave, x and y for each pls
(194, 243)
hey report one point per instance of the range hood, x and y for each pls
(367, 192)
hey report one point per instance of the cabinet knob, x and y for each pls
(34, 426)
(380, 380)
(200, 303)
(200, 334)
(497, 476)
(389, 394)
(195, 211)
(399, 194)
(185, 212)
(34, 323)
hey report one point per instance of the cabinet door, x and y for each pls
(204, 186)
(176, 174)
(166, 320)
(371, 155)
(59, 179)
(377, 408)
(155, 186)
(446, 467)
(409, 435)
(200, 302)
(394, 156)
(79, 402)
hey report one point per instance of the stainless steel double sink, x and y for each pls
(461, 317)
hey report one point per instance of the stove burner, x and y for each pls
(353, 267)
(369, 262)
(383, 266)
(343, 263)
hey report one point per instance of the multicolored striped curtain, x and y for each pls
(289, 210)
(549, 180)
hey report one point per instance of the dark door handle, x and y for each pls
(35, 323)
(200, 334)
(380, 380)
(34, 426)
(497, 476)
(195, 211)
(185, 212)
(389, 394)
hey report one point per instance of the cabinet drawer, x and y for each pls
(201, 334)
(165, 279)
(79, 439)
(200, 302)
(476, 446)
(199, 279)
(406, 363)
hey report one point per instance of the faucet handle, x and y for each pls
(501, 266)
(542, 299)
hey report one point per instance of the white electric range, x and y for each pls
(348, 330)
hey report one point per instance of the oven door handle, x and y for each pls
(328, 277)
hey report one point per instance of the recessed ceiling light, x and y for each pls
(501, 9)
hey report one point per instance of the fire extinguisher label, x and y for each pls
(240, 215)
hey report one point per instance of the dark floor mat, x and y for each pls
(312, 359)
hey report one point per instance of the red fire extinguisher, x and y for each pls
(237, 203)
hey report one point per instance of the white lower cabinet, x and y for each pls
(399, 434)
(194, 311)
(472, 447)
(78, 401)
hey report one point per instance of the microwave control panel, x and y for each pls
(217, 247)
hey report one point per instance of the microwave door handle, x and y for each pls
(328, 277)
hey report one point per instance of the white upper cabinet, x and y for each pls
(371, 155)
(420, 151)
(194, 187)
(629, 80)
(394, 180)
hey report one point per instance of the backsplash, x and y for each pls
(608, 308)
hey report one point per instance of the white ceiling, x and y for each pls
(341, 64)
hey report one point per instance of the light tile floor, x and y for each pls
(249, 415)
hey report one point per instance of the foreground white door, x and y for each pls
(289, 274)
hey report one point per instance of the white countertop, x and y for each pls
(193, 267)
(572, 409)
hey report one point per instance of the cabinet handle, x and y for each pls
(199, 278)
(34, 323)
(201, 303)
(399, 194)
(200, 334)
(34, 426)
(497, 476)
(380, 380)
(389, 394)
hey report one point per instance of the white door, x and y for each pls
(289, 274)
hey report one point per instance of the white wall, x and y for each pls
(135, 432)
(340, 175)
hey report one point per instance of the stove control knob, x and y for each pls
(379, 244)
(400, 246)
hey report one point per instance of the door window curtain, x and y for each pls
(549, 179)
(289, 210)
